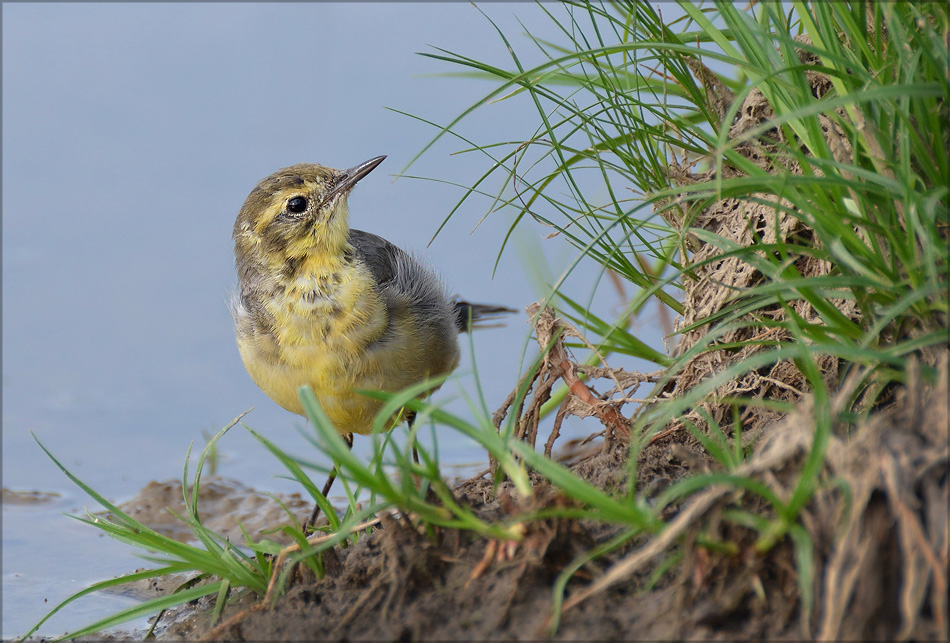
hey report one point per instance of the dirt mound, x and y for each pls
(880, 559)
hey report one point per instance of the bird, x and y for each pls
(323, 305)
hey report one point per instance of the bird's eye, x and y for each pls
(297, 205)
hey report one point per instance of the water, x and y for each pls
(131, 135)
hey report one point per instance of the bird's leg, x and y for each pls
(411, 418)
(431, 496)
(348, 438)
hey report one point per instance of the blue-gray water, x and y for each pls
(131, 135)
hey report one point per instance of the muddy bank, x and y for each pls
(872, 578)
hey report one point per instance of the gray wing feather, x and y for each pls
(378, 254)
(402, 280)
(396, 271)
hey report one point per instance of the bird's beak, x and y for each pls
(346, 179)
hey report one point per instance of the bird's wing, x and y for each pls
(405, 282)
(378, 254)
(396, 271)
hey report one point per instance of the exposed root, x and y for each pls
(880, 536)
(581, 400)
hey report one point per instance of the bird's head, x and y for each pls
(295, 211)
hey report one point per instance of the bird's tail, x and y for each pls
(469, 316)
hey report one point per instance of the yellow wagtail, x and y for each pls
(337, 309)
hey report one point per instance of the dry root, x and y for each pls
(582, 400)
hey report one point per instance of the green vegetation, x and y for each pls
(845, 180)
